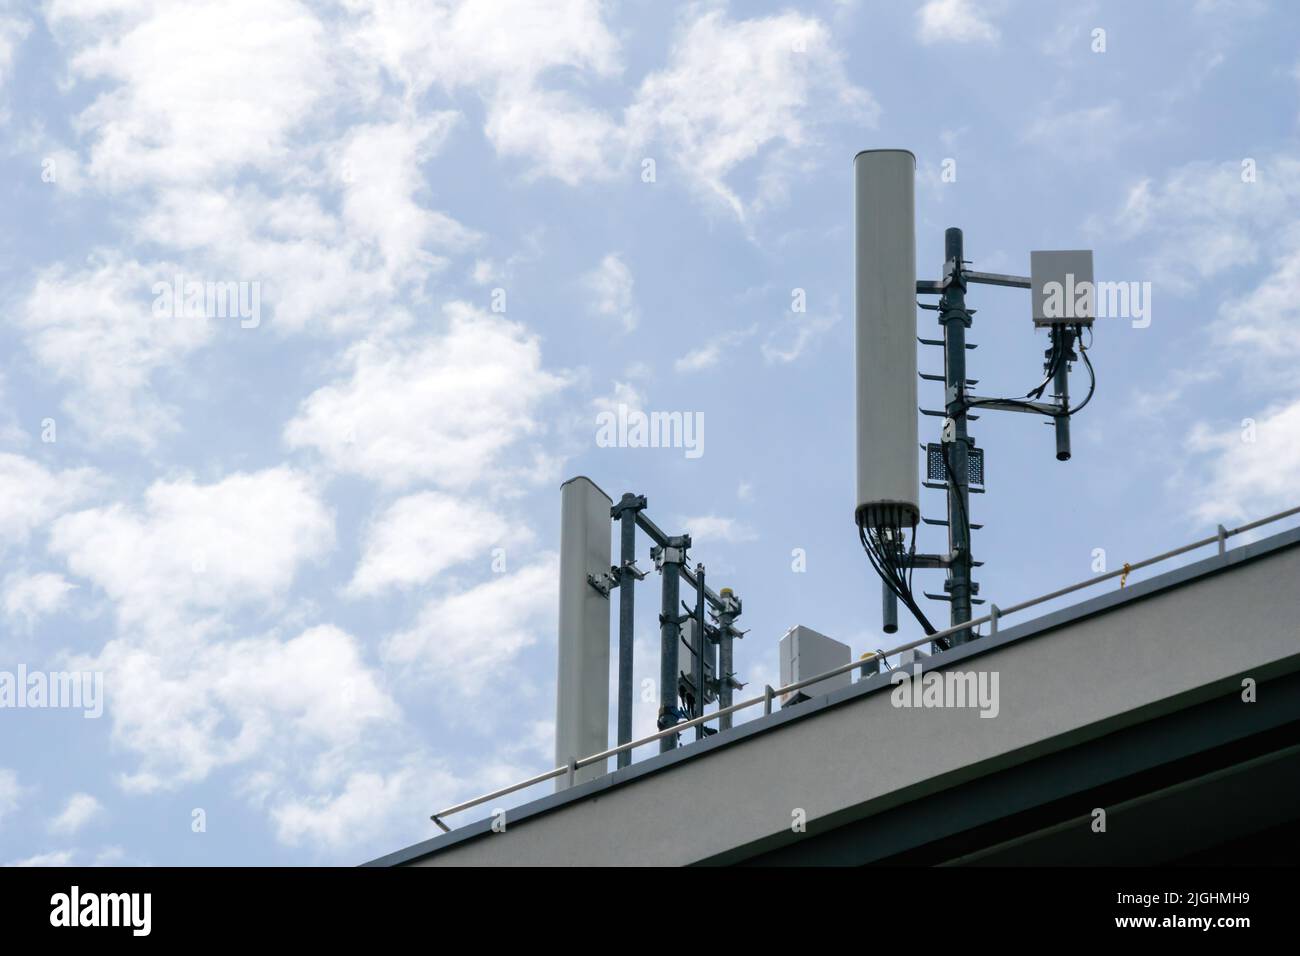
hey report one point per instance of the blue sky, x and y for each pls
(313, 558)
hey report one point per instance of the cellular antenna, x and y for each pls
(885, 287)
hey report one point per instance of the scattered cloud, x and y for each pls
(419, 536)
(768, 81)
(1250, 465)
(30, 597)
(186, 710)
(707, 356)
(610, 287)
(1088, 133)
(10, 792)
(716, 528)
(465, 395)
(31, 495)
(55, 858)
(80, 810)
(95, 329)
(955, 21)
(194, 550)
(796, 335)
(448, 644)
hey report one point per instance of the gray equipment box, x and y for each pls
(1061, 287)
(806, 653)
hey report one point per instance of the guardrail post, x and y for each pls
(994, 614)
(767, 699)
(1223, 540)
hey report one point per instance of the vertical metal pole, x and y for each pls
(1063, 338)
(674, 554)
(725, 666)
(700, 645)
(955, 321)
(625, 511)
(888, 608)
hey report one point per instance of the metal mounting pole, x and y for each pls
(625, 512)
(955, 320)
(727, 613)
(888, 608)
(1063, 339)
(699, 645)
(673, 556)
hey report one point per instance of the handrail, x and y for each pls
(769, 692)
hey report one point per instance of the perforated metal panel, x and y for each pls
(937, 470)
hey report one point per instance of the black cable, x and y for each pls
(1092, 378)
(1053, 360)
(878, 552)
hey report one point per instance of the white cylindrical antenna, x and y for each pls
(582, 684)
(884, 258)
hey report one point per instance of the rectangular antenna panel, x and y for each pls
(1061, 287)
(582, 682)
(884, 300)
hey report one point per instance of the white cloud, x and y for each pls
(366, 805)
(187, 711)
(278, 86)
(1261, 323)
(1249, 475)
(485, 271)
(449, 643)
(707, 528)
(55, 858)
(459, 43)
(1086, 133)
(955, 21)
(462, 44)
(441, 409)
(795, 336)
(623, 393)
(556, 135)
(420, 536)
(735, 89)
(1204, 219)
(1208, 221)
(96, 330)
(80, 809)
(707, 356)
(32, 596)
(380, 164)
(13, 30)
(610, 287)
(254, 70)
(10, 792)
(197, 548)
(31, 495)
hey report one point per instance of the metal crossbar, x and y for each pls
(1218, 538)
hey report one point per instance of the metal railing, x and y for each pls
(770, 693)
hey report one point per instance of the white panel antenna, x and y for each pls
(884, 257)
